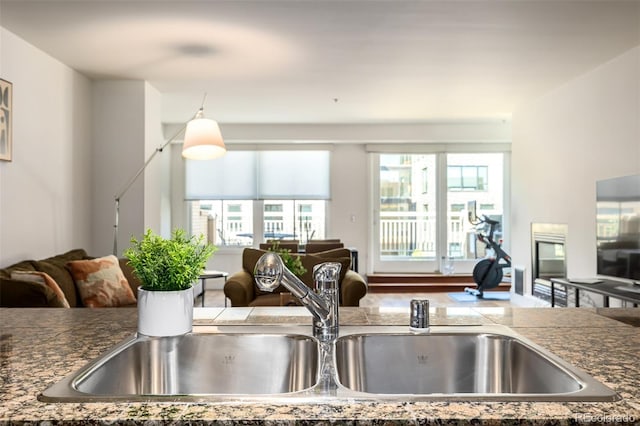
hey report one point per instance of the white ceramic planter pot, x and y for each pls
(165, 313)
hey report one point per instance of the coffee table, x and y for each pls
(211, 274)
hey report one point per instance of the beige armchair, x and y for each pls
(241, 289)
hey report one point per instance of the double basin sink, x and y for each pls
(373, 362)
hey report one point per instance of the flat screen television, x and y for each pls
(618, 227)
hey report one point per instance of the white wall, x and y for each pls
(45, 191)
(127, 131)
(119, 148)
(349, 206)
(564, 142)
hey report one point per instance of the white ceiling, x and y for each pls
(332, 61)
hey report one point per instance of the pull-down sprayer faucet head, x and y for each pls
(270, 272)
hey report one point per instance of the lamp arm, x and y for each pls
(135, 177)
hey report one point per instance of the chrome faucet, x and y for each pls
(270, 272)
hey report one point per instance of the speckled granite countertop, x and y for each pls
(38, 347)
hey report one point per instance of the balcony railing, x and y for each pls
(411, 234)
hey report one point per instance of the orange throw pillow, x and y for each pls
(44, 279)
(101, 282)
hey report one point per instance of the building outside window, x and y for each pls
(467, 178)
(230, 223)
(223, 222)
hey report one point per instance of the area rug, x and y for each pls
(488, 295)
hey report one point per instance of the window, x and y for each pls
(396, 177)
(223, 222)
(269, 208)
(276, 194)
(227, 223)
(306, 208)
(300, 220)
(405, 231)
(467, 178)
(422, 211)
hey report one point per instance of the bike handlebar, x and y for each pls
(485, 219)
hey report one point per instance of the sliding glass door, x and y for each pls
(421, 212)
(407, 211)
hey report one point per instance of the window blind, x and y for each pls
(247, 175)
(293, 175)
(230, 177)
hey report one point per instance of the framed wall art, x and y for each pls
(6, 120)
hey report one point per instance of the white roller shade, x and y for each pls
(299, 175)
(232, 177)
(252, 175)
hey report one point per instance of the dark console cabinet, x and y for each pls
(606, 288)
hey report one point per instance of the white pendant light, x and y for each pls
(202, 139)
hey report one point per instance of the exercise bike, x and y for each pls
(487, 273)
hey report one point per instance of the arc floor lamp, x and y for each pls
(202, 141)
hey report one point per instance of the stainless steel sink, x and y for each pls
(275, 363)
(482, 362)
(206, 364)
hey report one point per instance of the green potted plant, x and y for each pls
(167, 269)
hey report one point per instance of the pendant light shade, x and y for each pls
(203, 140)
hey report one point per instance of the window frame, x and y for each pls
(441, 151)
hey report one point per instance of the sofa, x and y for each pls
(241, 290)
(18, 289)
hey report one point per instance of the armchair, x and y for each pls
(315, 247)
(241, 289)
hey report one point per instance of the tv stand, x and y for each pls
(606, 288)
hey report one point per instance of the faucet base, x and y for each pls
(325, 334)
